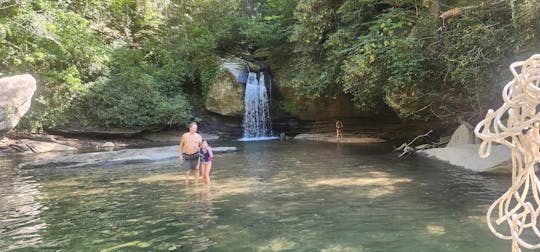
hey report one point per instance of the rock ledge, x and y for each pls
(128, 156)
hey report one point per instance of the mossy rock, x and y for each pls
(262, 53)
(254, 67)
(225, 95)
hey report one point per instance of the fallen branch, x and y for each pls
(407, 149)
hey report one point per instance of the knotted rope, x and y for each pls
(513, 124)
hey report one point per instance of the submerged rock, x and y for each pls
(128, 156)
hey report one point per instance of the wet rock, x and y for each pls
(31, 146)
(237, 67)
(466, 156)
(108, 146)
(128, 156)
(15, 98)
(332, 138)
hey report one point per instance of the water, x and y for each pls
(269, 196)
(257, 114)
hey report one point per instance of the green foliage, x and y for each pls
(384, 60)
(143, 63)
(131, 96)
(397, 54)
(58, 48)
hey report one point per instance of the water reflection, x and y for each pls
(270, 196)
(20, 209)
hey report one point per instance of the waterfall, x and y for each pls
(256, 124)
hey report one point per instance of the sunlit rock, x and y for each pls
(31, 146)
(238, 68)
(322, 137)
(466, 156)
(108, 146)
(462, 135)
(225, 95)
(15, 98)
(128, 156)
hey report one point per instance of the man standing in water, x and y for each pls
(189, 151)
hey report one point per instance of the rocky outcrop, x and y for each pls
(322, 108)
(128, 156)
(96, 132)
(332, 138)
(15, 98)
(462, 135)
(225, 95)
(237, 67)
(31, 146)
(466, 156)
(173, 136)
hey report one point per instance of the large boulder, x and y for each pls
(466, 156)
(462, 135)
(225, 95)
(15, 98)
(237, 67)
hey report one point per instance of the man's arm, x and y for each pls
(180, 149)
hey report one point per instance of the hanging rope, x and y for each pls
(514, 215)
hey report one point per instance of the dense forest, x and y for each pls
(129, 63)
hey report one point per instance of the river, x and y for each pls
(268, 196)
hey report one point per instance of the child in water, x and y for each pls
(206, 161)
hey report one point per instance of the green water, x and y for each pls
(269, 196)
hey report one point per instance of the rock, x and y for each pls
(108, 146)
(462, 135)
(255, 67)
(322, 108)
(15, 98)
(127, 156)
(332, 138)
(96, 132)
(262, 53)
(26, 145)
(173, 136)
(466, 156)
(225, 95)
(237, 67)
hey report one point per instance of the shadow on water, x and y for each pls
(269, 196)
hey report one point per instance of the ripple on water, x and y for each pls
(270, 196)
